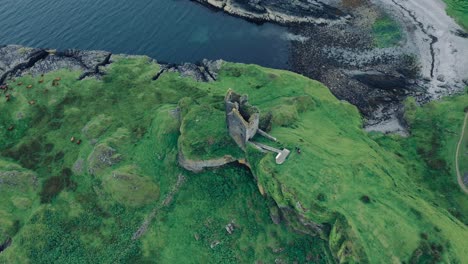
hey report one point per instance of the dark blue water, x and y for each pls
(168, 30)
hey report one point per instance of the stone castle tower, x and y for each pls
(242, 119)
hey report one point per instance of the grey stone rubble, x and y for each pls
(230, 227)
(214, 244)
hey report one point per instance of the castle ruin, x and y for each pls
(242, 120)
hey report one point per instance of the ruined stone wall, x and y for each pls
(199, 165)
(237, 110)
(237, 127)
(252, 127)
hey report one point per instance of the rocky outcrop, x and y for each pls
(96, 127)
(200, 165)
(18, 61)
(206, 71)
(283, 12)
(19, 179)
(103, 156)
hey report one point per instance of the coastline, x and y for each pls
(428, 64)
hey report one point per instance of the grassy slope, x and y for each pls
(463, 154)
(86, 217)
(341, 163)
(458, 9)
(202, 137)
(86, 210)
(436, 131)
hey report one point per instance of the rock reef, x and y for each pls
(17, 61)
(283, 12)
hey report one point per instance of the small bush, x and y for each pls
(321, 197)
(365, 199)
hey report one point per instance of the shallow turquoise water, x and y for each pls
(168, 30)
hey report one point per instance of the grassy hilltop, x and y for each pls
(376, 198)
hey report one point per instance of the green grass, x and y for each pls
(340, 162)
(89, 199)
(463, 153)
(386, 32)
(204, 134)
(458, 9)
(379, 197)
(436, 131)
(185, 231)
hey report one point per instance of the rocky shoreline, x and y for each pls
(332, 43)
(428, 63)
(281, 12)
(340, 55)
(16, 61)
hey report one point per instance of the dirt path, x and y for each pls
(459, 176)
(167, 201)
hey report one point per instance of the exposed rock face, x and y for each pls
(283, 12)
(96, 127)
(17, 61)
(22, 180)
(199, 165)
(300, 223)
(212, 67)
(78, 166)
(206, 71)
(103, 156)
